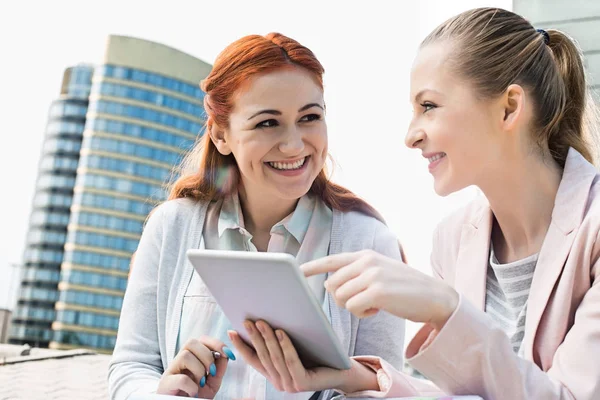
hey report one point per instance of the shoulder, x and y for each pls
(175, 216)
(353, 223)
(358, 231)
(447, 235)
(177, 210)
(592, 210)
(358, 220)
(169, 228)
(590, 224)
(179, 207)
(471, 213)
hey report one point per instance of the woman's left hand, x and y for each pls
(366, 282)
(275, 357)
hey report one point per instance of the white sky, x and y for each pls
(366, 48)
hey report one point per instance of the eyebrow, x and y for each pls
(422, 92)
(276, 112)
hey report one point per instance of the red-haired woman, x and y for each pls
(256, 181)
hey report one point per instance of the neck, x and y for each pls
(522, 198)
(261, 212)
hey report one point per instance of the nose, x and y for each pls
(414, 137)
(292, 142)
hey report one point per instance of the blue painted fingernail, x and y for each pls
(229, 353)
(203, 381)
(213, 369)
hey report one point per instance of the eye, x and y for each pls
(310, 117)
(269, 123)
(428, 106)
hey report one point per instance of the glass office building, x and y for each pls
(35, 313)
(145, 111)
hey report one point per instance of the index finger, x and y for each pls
(329, 263)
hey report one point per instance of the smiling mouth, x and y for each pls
(436, 157)
(288, 166)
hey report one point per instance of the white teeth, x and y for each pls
(288, 166)
(436, 157)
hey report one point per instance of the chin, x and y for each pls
(289, 191)
(292, 190)
(292, 193)
(443, 189)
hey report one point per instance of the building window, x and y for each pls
(151, 79)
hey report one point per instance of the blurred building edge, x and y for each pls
(578, 18)
(4, 324)
(34, 373)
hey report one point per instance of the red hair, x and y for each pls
(206, 174)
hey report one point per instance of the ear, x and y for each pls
(513, 104)
(217, 135)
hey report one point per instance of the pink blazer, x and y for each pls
(470, 355)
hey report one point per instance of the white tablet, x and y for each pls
(270, 287)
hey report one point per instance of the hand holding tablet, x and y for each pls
(270, 287)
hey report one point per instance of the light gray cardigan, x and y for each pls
(153, 301)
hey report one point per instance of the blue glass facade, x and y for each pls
(129, 167)
(88, 319)
(35, 311)
(138, 131)
(149, 96)
(157, 80)
(110, 202)
(112, 141)
(107, 262)
(126, 147)
(139, 125)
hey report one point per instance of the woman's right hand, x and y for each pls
(194, 371)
